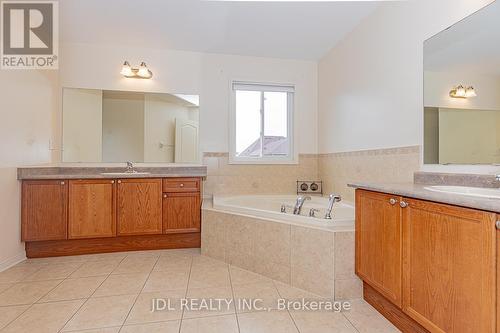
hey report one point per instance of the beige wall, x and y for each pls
(123, 128)
(468, 136)
(27, 104)
(159, 123)
(82, 124)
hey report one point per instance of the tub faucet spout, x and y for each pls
(299, 203)
(333, 198)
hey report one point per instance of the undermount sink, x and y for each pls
(125, 173)
(492, 193)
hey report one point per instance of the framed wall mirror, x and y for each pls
(119, 126)
(462, 91)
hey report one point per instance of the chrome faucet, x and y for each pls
(333, 198)
(299, 203)
(497, 177)
(130, 167)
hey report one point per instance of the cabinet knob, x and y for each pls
(119, 182)
(497, 224)
(181, 185)
(62, 183)
(403, 204)
(393, 201)
(112, 182)
(164, 195)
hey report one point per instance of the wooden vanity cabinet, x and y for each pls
(139, 207)
(378, 242)
(44, 210)
(449, 273)
(181, 212)
(92, 208)
(433, 265)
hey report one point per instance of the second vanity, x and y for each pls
(67, 211)
(428, 259)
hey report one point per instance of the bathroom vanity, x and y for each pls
(428, 260)
(68, 211)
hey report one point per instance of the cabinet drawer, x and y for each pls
(181, 185)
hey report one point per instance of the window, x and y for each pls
(262, 123)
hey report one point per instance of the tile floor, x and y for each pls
(113, 292)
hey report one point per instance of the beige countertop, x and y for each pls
(419, 191)
(73, 172)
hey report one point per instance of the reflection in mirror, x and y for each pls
(462, 91)
(120, 126)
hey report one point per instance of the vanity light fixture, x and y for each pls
(142, 72)
(461, 92)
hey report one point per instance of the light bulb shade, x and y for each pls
(460, 92)
(144, 71)
(126, 69)
(470, 92)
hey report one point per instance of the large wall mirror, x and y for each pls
(462, 91)
(120, 126)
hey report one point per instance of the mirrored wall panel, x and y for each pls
(120, 126)
(462, 91)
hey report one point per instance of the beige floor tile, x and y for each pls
(71, 289)
(18, 273)
(218, 324)
(101, 330)
(169, 280)
(209, 302)
(367, 320)
(5, 286)
(135, 265)
(321, 322)
(206, 276)
(54, 272)
(144, 254)
(96, 268)
(112, 256)
(27, 292)
(101, 312)
(203, 262)
(142, 312)
(47, 317)
(266, 322)
(242, 276)
(291, 293)
(9, 313)
(191, 252)
(176, 263)
(121, 284)
(264, 294)
(164, 327)
(60, 260)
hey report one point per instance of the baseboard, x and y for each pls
(9, 262)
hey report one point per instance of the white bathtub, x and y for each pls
(268, 206)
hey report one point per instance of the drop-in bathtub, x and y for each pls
(309, 253)
(269, 207)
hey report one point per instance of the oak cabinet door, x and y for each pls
(449, 267)
(44, 212)
(139, 206)
(378, 242)
(92, 209)
(181, 212)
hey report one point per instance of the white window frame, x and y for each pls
(292, 157)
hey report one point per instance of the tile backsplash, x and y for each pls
(336, 170)
(392, 165)
(225, 178)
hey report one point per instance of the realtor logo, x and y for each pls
(29, 34)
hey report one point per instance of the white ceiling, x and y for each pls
(470, 46)
(297, 30)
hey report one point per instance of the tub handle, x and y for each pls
(313, 211)
(284, 207)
